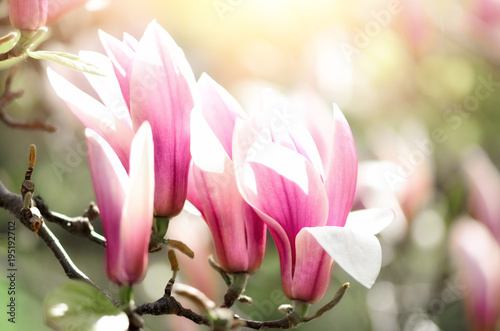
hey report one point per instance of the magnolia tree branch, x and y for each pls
(14, 204)
(79, 226)
(290, 321)
(168, 305)
(7, 97)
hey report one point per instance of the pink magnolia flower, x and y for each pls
(58, 8)
(478, 260)
(484, 189)
(306, 205)
(149, 80)
(28, 14)
(238, 233)
(475, 245)
(125, 202)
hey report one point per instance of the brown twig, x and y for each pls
(79, 226)
(168, 305)
(7, 97)
(15, 205)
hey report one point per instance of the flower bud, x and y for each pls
(28, 14)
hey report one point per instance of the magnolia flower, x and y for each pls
(125, 203)
(147, 80)
(33, 14)
(28, 14)
(239, 235)
(484, 189)
(306, 205)
(475, 245)
(58, 8)
(478, 260)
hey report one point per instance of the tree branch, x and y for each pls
(14, 204)
(79, 226)
(7, 97)
(168, 305)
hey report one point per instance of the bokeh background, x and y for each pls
(418, 82)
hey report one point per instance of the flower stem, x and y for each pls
(300, 308)
(128, 305)
(236, 288)
(126, 297)
(160, 227)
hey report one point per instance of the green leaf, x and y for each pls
(77, 306)
(68, 60)
(8, 41)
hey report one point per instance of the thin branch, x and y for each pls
(14, 204)
(79, 226)
(7, 97)
(168, 305)
(290, 321)
(335, 301)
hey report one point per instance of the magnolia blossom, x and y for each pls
(484, 189)
(58, 8)
(28, 14)
(305, 202)
(125, 203)
(32, 14)
(475, 245)
(478, 260)
(147, 80)
(238, 233)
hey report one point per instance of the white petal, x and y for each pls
(370, 221)
(359, 254)
(107, 87)
(206, 150)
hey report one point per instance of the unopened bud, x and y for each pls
(28, 14)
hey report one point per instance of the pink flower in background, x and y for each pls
(33, 14)
(147, 80)
(306, 205)
(238, 233)
(125, 203)
(478, 260)
(58, 8)
(484, 186)
(476, 245)
(28, 14)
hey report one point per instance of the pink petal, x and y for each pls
(244, 137)
(285, 190)
(217, 197)
(313, 268)
(111, 184)
(318, 117)
(94, 116)
(341, 173)
(305, 145)
(161, 89)
(228, 217)
(220, 110)
(281, 121)
(478, 257)
(131, 42)
(484, 181)
(137, 217)
(206, 150)
(28, 14)
(56, 9)
(122, 57)
(192, 192)
(108, 88)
